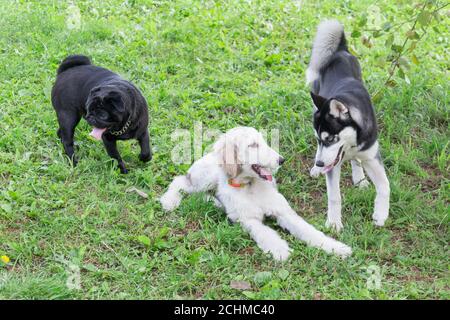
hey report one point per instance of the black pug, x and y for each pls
(113, 106)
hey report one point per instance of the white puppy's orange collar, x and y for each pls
(235, 184)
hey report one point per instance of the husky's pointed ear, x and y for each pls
(338, 109)
(228, 156)
(318, 101)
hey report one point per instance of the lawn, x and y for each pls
(221, 64)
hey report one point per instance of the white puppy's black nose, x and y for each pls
(281, 160)
(320, 164)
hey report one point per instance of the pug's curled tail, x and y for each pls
(73, 61)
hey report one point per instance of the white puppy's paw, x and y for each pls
(342, 250)
(170, 202)
(280, 251)
(315, 171)
(334, 225)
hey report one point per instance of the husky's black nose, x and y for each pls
(320, 164)
(281, 160)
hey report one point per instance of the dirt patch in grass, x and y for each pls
(191, 226)
(246, 251)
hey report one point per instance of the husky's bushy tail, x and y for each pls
(329, 39)
(73, 61)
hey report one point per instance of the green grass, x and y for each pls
(240, 63)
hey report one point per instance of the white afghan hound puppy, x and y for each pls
(239, 170)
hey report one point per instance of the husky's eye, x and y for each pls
(253, 145)
(330, 140)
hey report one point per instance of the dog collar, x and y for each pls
(123, 130)
(234, 184)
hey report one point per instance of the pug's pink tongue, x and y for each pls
(266, 174)
(97, 133)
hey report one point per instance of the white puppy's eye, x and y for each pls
(253, 145)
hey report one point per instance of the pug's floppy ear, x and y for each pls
(318, 101)
(338, 109)
(228, 156)
(115, 99)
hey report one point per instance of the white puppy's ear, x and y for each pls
(338, 109)
(227, 152)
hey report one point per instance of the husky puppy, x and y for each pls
(344, 122)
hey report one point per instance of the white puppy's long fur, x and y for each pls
(232, 158)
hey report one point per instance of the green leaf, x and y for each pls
(397, 48)
(387, 26)
(90, 267)
(377, 97)
(263, 277)
(403, 61)
(6, 207)
(377, 34)
(412, 34)
(144, 240)
(391, 83)
(249, 294)
(356, 34)
(163, 232)
(283, 274)
(424, 18)
(415, 60)
(272, 59)
(362, 21)
(389, 40)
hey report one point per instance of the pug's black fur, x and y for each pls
(105, 100)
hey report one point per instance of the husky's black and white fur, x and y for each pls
(344, 122)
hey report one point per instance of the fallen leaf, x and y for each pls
(240, 285)
(139, 192)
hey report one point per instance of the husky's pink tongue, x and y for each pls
(97, 133)
(327, 169)
(266, 174)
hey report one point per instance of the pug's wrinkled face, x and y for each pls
(105, 108)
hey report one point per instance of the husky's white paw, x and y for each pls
(363, 183)
(335, 225)
(315, 171)
(170, 202)
(379, 221)
(280, 250)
